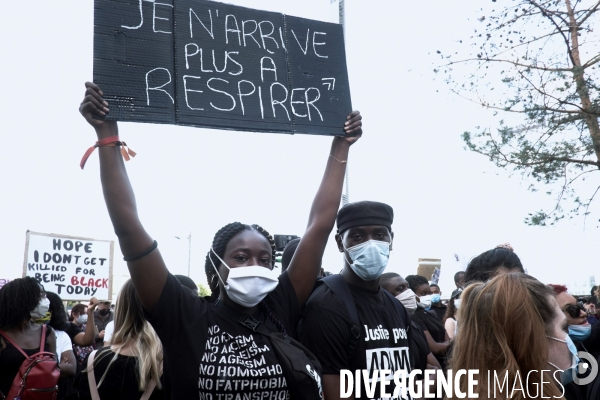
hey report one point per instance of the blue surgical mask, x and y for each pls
(580, 332)
(369, 259)
(435, 298)
(568, 374)
(82, 319)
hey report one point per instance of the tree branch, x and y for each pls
(590, 12)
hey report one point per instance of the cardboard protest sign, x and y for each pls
(208, 64)
(427, 267)
(72, 267)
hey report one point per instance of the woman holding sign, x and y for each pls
(223, 349)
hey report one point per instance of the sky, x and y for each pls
(446, 200)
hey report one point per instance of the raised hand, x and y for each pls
(353, 127)
(93, 104)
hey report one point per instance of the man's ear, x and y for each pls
(338, 240)
(392, 242)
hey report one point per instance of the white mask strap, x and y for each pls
(213, 264)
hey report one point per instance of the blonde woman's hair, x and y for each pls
(503, 328)
(135, 333)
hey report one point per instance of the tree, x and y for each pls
(543, 56)
(203, 291)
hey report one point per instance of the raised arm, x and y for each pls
(87, 338)
(306, 262)
(148, 273)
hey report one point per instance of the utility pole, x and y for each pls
(189, 252)
(342, 21)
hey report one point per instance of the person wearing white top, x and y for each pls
(108, 332)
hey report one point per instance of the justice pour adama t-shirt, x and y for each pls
(383, 342)
(211, 357)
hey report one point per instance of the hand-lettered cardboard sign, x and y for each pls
(208, 64)
(72, 267)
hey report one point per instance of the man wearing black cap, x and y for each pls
(380, 341)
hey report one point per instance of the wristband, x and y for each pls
(108, 141)
(143, 253)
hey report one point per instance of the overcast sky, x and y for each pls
(446, 200)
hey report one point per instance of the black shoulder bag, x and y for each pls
(302, 370)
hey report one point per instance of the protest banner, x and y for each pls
(208, 64)
(75, 268)
(427, 267)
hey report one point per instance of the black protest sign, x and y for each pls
(208, 64)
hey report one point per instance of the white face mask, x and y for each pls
(408, 300)
(425, 302)
(248, 286)
(457, 303)
(41, 309)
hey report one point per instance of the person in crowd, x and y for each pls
(398, 287)
(492, 262)
(288, 253)
(512, 327)
(459, 281)
(364, 237)
(21, 302)
(67, 362)
(593, 296)
(102, 317)
(590, 308)
(133, 363)
(187, 282)
(63, 331)
(436, 301)
(85, 333)
(585, 336)
(449, 319)
(239, 267)
(430, 324)
(108, 332)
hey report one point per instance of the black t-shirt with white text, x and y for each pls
(209, 356)
(383, 343)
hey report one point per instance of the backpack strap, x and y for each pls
(94, 389)
(92, 377)
(337, 284)
(42, 342)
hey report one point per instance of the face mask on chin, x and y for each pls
(567, 376)
(39, 312)
(580, 332)
(247, 286)
(369, 258)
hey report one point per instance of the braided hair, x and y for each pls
(17, 299)
(220, 241)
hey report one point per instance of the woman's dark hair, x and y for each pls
(450, 309)
(17, 299)
(222, 237)
(77, 309)
(59, 315)
(414, 281)
(486, 265)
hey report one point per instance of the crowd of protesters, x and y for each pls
(266, 333)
